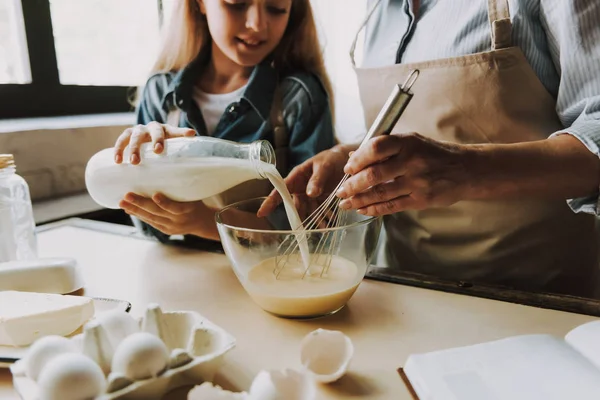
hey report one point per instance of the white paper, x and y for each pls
(586, 340)
(519, 368)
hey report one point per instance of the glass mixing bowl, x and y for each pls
(266, 258)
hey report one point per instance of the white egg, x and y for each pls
(287, 384)
(71, 376)
(326, 354)
(140, 356)
(43, 350)
(118, 324)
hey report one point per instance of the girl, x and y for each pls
(240, 70)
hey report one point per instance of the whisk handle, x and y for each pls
(393, 108)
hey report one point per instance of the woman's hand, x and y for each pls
(400, 172)
(153, 132)
(317, 177)
(172, 217)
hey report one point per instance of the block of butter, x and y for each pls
(27, 316)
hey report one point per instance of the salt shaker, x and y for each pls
(17, 226)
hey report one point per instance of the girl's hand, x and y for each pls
(317, 177)
(400, 172)
(153, 132)
(172, 217)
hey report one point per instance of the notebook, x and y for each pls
(528, 367)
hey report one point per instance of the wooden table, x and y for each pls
(385, 321)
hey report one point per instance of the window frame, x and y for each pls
(45, 96)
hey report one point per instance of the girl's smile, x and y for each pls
(250, 43)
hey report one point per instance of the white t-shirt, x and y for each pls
(213, 106)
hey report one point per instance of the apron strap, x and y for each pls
(280, 132)
(360, 28)
(173, 117)
(500, 25)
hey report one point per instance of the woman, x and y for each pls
(503, 127)
(240, 70)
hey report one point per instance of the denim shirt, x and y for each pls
(304, 105)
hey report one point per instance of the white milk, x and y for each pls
(292, 214)
(185, 179)
(293, 295)
(181, 179)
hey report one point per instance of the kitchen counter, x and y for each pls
(385, 321)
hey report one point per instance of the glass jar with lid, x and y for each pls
(17, 225)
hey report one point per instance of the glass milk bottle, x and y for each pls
(17, 226)
(188, 169)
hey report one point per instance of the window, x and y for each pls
(86, 34)
(165, 8)
(14, 59)
(64, 57)
(338, 22)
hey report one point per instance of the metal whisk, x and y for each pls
(328, 214)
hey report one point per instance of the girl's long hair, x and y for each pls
(187, 35)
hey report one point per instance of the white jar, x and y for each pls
(17, 226)
(188, 169)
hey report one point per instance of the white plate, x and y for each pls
(10, 354)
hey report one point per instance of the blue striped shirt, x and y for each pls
(560, 39)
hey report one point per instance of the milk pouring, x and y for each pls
(192, 169)
(189, 169)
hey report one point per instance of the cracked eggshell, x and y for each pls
(71, 376)
(326, 354)
(140, 356)
(285, 384)
(207, 391)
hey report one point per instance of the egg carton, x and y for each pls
(193, 346)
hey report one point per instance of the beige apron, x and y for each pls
(489, 97)
(256, 187)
